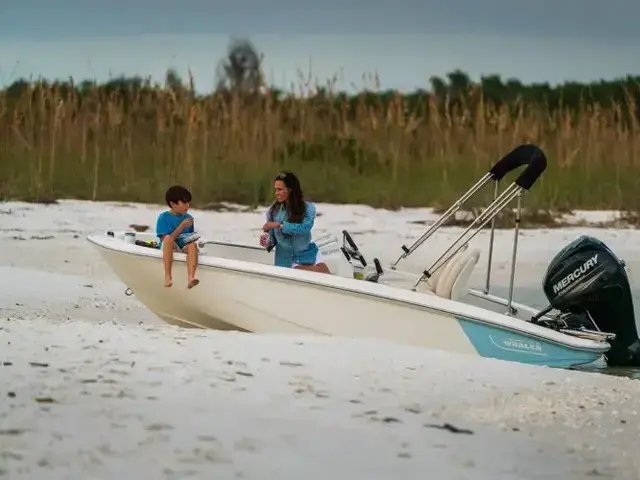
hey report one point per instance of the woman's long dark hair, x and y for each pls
(294, 204)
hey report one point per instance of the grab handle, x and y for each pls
(531, 156)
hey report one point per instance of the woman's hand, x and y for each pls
(271, 226)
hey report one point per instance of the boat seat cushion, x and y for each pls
(461, 280)
(455, 275)
(450, 281)
(431, 284)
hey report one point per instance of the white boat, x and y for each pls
(590, 314)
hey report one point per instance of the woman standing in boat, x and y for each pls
(289, 222)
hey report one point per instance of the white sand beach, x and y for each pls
(94, 386)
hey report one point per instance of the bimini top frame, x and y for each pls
(527, 155)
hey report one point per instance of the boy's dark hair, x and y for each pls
(177, 193)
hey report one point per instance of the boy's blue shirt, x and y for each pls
(167, 222)
(293, 241)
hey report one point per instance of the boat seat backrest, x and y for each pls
(431, 284)
(450, 281)
(453, 281)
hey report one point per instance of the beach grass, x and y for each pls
(58, 141)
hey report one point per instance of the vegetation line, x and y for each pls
(128, 139)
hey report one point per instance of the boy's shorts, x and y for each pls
(183, 240)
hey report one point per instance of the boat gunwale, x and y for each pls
(396, 295)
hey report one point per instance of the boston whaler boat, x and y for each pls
(590, 313)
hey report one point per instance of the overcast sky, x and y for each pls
(404, 41)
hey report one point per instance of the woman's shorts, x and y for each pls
(319, 259)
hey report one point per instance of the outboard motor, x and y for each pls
(589, 286)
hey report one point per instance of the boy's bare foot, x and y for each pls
(193, 282)
(168, 281)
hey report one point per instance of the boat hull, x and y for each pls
(237, 295)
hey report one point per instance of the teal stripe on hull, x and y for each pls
(493, 342)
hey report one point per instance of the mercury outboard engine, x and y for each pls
(589, 286)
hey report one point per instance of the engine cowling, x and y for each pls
(587, 281)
